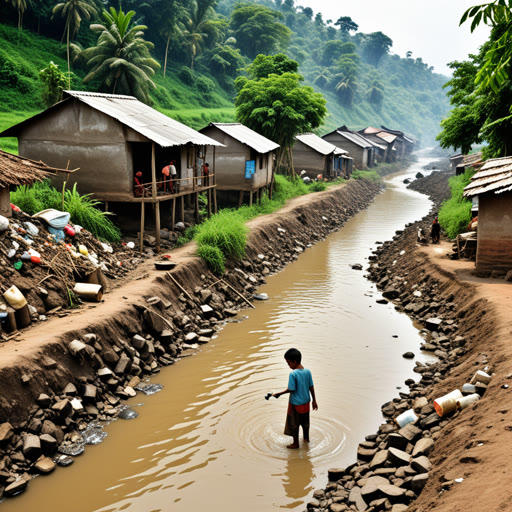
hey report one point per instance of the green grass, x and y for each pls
(455, 213)
(366, 175)
(82, 208)
(8, 119)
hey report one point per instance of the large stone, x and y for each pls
(391, 293)
(430, 421)
(110, 357)
(410, 432)
(356, 498)
(433, 324)
(398, 457)
(6, 432)
(397, 441)
(419, 403)
(43, 400)
(76, 347)
(31, 447)
(423, 447)
(379, 459)
(48, 444)
(421, 464)
(206, 310)
(53, 430)
(89, 393)
(123, 365)
(393, 493)
(16, 487)
(62, 409)
(366, 454)
(418, 482)
(334, 474)
(45, 465)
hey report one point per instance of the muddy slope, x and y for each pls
(60, 375)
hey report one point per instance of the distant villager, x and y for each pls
(435, 231)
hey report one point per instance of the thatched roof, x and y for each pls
(16, 170)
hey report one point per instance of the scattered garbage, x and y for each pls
(466, 401)
(4, 223)
(447, 404)
(260, 296)
(406, 417)
(15, 298)
(482, 377)
(89, 291)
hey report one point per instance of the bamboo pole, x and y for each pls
(173, 213)
(168, 274)
(142, 212)
(238, 293)
(196, 207)
(156, 205)
(182, 209)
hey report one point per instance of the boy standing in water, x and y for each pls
(300, 385)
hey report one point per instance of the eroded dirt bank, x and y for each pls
(60, 375)
(458, 462)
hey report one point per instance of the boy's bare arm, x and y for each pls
(312, 391)
(277, 395)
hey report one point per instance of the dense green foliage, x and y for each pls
(366, 175)
(82, 208)
(279, 108)
(55, 81)
(455, 213)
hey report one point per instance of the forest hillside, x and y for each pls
(201, 46)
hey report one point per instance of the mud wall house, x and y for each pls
(466, 162)
(406, 144)
(382, 139)
(245, 161)
(16, 170)
(492, 184)
(111, 138)
(360, 149)
(316, 156)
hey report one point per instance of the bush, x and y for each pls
(366, 175)
(187, 76)
(455, 213)
(205, 85)
(318, 186)
(187, 236)
(226, 231)
(213, 258)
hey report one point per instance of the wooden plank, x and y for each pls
(173, 213)
(142, 207)
(156, 205)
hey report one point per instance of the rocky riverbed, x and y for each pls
(58, 390)
(396, 464)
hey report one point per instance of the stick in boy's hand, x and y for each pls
(268, 395)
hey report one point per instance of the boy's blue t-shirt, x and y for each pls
(299, 383)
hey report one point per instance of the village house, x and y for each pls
(381, 138)
(244, 163)
(358, 147)
(404, 144)
(317, 157)
(16, 170)
(459, 163)
(492, 184)
(121, 146)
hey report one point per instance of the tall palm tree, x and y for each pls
(20, 5)
(121, 59)
(74, 11)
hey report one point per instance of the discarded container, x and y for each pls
(36, 260)
(23, 317)
(4, 223)
(481, 376)
(130, 245)
(32, 229)
(68, 230)
(55, 218)
(89, 291)
(447, 404)
(15, 298)
(465, 401)
(406, 417)
(83, 250)
(14, 208)
(25, 256)
(164, 265)
(468, 389)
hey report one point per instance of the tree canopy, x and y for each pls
(280, 107)
(257, 29)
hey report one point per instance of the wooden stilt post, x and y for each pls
(173, 213)
(241, 199)
(215, 200)
(210, 190)
(156, 205)
(196, 207)
(105, 205)
(142, 206)
(182, 209)
(250, 197)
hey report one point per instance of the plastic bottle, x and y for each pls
(14, 297)
(83, 250)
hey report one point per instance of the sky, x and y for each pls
(428, 28)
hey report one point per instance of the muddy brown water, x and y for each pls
(210, 441)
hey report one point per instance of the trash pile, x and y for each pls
(47, 264)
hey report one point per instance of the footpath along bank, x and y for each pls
(445, 464)
(61, 375)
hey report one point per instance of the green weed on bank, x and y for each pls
(366, 175)
(455, 213)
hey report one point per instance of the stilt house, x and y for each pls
(492, 184)
(244, 163)
(317, 156)
(112, 138)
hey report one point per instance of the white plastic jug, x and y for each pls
(15, 298)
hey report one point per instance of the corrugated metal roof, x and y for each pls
(143, 119)
(494, 176)
(371, 130)
(318, 144)
(247, 136)
(388, 137)
(356, 139)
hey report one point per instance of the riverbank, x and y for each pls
(61, 374)
(454, 463)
